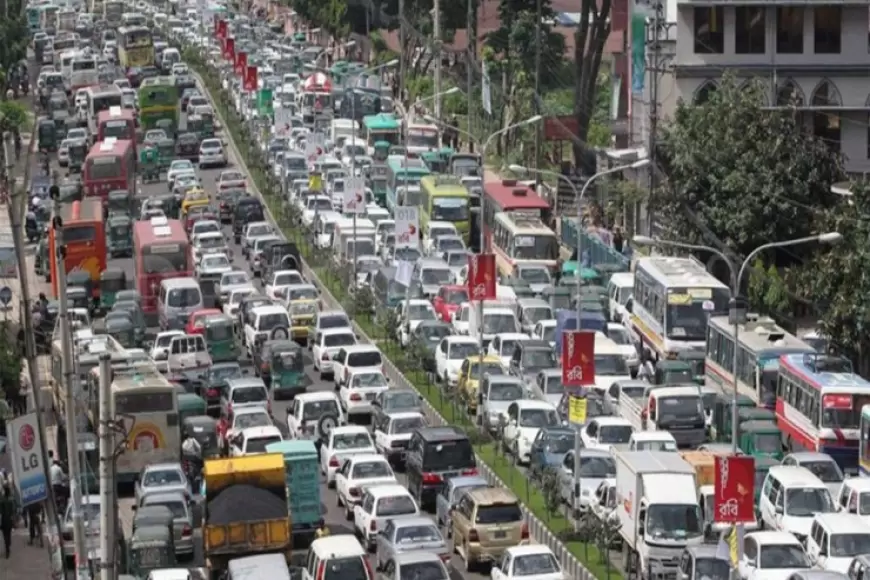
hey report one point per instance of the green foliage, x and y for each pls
(767, 290)
(551, 489)
(748, 174)
(364, 300)
(590, 38)
(326, 14)
(15, 35)
(388, 320)
(513, 44)
(13, 116)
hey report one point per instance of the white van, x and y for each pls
(610, 363)
(496, 319)
(344, 230)
(272, 566)
(835, 540)
(341, 128)
(790, 497)
(177, 300)
(619, 290)
(339, 557)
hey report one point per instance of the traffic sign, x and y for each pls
(315, 145)
(5, 295)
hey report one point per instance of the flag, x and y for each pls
(485, 90)
(730, 546)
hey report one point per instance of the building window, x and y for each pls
(704, 92)
(789, 95)
(828, 29)
(826, 123)
(789, 30)
(749, 29)
(709, 25)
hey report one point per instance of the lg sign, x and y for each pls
(29, 472)
(26, 440)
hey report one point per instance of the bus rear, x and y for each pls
(110, 165)
(524, 240)
(420, 138)
(84, 236)
(83, 72)
(112, 12)
(508, 196)
(158, 99)
(135, 47)
(117, 123)
(161, 251)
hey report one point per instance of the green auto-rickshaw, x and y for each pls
(46, 134)
(119, 235)
(121, 201)
(80, 278)
(205, 430)
(168, 127)
(119, 325)
(434, 162)
(112, 281)
(220, 338)
(760, 439)
(381, 150)
(165, 152)
(396, 150)
(136, 314)
(207, 131)
(695, 360)
(189, 405)
(76, 153)
(747, 410)
(151, 548)
(288, 369)
(79, 298)
(149, 164)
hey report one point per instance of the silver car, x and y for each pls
(415, 565)
(496, 395)
(182, 520)
(161, 478)
(410, 535)
(91, 516)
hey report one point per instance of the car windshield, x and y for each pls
(368, 380)
(333, 321)
(610, 365)
(210, 242)
(447, 244)
(235, 278)
(535, 275)
(505, 392)
(615, 434)
(345, 441)
(493, 367)
(396, 505)
(683, 406)
(553, 385)
(499, 513)
(407, 254)
(457, 259)
(772, 556)
(314, 410)
(808, 501)
(533, 314)
(424, 571)
(258, 230)
(506, 347)
(712, 569)
(350, 568)
(849, 545)
(538, 418)
(249, 395)
(455, 297)
(462, 350)
(371, 469)
(406, 425)
(288, 278)
(215, 261)
(538, 359)
(247, 420)
(827, 471)
(434, 333)
(336, 340)
(560, 444)
(206, 228)
(163, 477)
(184, 297)
(420, 312)
(178, 508)
(495, 323)
(272, 321)
(535, 564)
(597, 467)
(398, 400)
(302, 294)
(417, 534)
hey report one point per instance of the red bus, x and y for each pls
(160, 251)
(117, 123)
(508, 195)
(84, 235)
(110, 165)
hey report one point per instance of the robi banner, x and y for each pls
(481, 276)
(734, 488)
(578, 358)
(407, 227)
(250, 83)
(220, 28)
(241, 64)
(230, 49)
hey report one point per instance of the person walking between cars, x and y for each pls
(7, 514)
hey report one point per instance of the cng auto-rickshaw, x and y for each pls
(720, 425)
(302, 314)
(205, 430)
(208, 125)
(760, 439)
(46, 135)
(381, 150)
(121, 201)
(119, 325)
(165, 152)
(119, 235)
(167, 126)
(77, 151)
(220, 338)
(136, 314)
(151, 548)
(149, 164)
(80, 278)
(189, 405)
(112, 281)
(287, 369)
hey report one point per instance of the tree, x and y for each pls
(16, 35)
(749, 175)
(838, 279)
(589, 41)
(13, 116)
(551, 489)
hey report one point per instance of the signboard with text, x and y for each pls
(734, 490)
(27, 468)
(354, 199)
(407, 227)
(481, 276)
(578, 358)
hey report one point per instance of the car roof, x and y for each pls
(163, 467)
(264, 431)
(349, 430)
(316, 396)
(381, 490)
(244, 382)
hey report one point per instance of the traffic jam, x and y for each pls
(267, 432)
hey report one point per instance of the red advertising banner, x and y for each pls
(481, 276)
(221, 28)
(241, 63)
(734, 499)
(250, 80)
(230, 49)
(578, 358)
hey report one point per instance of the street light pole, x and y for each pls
(736, 283)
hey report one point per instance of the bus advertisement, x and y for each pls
(110, 165)
(445, 199)
(158, 99)
(161, 251)
(506, 196)
(135, 47)
(84, 236)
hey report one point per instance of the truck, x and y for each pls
(301, 468)
(232, 487)
(657, 509)
(678, 410)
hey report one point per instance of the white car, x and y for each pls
(204, 227)
(252, 231)
(160, 348)
(603, 432)
(450, 353)
(526, 418)
(230, 306)
(245, 418)
(211, 154)
(355, 358)
(253, 440)
(528, 562)
(360, 389)
(263, 323)
(460, 322)
(280, 278)
(379, 504)
(343, 442)
(209, 243)
(178, 167)
(307, 409)
(213, 266)
(326, 344)
(255, 254)
(393, 432)
(357, 472)
(230, 281)
(502, 345)
(412, 313)
(315, 204)
(545, 330)
(771, 556)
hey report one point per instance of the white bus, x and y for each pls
(760, 343)
(83, 72)
(100, 98)
(519, 239)
(672, 300)
(421, 137)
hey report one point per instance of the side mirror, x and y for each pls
(778, 509)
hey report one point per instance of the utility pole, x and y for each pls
(436, 21)
(539, 128)
(70, 385)
(471, 59)
(402, 45)
(656, 31)
(107, 472)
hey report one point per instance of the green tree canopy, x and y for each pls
(751, 175)
(513, 43)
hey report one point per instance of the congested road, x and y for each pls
(334, 516)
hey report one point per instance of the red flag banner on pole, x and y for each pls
(241, 63)
(481, 276)
(578, 358)
(221, 28)
(230, 49)
(250, 83)
(734, 488)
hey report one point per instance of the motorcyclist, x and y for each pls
(191, 454)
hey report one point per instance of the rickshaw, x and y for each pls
(396, 150)
(204, 429)
(129, 296)
(112, 281)
(220, 338)
(77, 151)
(189, 405)
(695, 359)
(381, 151)
(149, 164)
(136, 314)
(168, 127)
(760, 439)
(151, 548)
(82, 279)
(288, 369)
(46, 132)
(119, 235)
(119, 325)
(166, 152)
(121, 201)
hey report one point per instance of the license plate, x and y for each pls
(370, 396)
(499, 535)
(451, 474)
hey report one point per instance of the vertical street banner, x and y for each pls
(250, 80)
(734, 490)
(27, 467)
(241, 64)
(221, 28)
(407, 227)
(481, 276)
(230, 49)
(354, 197)
(315, 145)
(486, 90)
(578, 358)
(283, 122)
(264, 102)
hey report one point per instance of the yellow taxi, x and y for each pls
(469, 377)
(302, 312)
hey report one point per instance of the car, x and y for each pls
(378, 505)
(550, 446)
(160, 348)
(247, 304)
(526, 418)
(263, 323)
(253, 440)
(529, 561)
(308, 409)
(411, 313)
(603, 432)
(397, 401)
(502, 345)
(496, 395)
(244, 392)
(357, 472)
(203, 227)
(240, 419)
(182, 518)
(415, 565)
(548, 386)
(92, 526)
(252, 231)
(326, 343)
(393, 432)
(359, 390)
(212, 267)
(410, 534)
(211, 154)
(449, 495)
(230, 179)
(355, 358)
(215, 379)
(326, 319)
(161, 478)
(821, 465)
(450, 354)
(447, 301)
(342, 442)
(771, 554)
(209, 243)
(233, 280)
(281, 278)
(231, 305)
(255, 255)
(596, 467)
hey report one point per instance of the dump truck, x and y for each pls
(245, 510)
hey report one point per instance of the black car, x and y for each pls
(247, 210)
(440, 453)
(228, 200)
(187, 146)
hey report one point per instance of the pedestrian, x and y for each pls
(647, 370)
(7, 515)
(33, 514)
(58, 479)
(618, 240)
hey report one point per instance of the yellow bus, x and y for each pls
(519, 238)
(445, 199)
(135, 47)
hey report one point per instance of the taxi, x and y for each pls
(195, 196)
(469, 377)
(302, 312)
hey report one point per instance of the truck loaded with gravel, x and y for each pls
(245, 510)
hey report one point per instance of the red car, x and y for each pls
(448, 300)
(196, 322)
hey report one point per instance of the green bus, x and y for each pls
(404, 171)
(158, 99)
(381, 131)
(444, 198)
